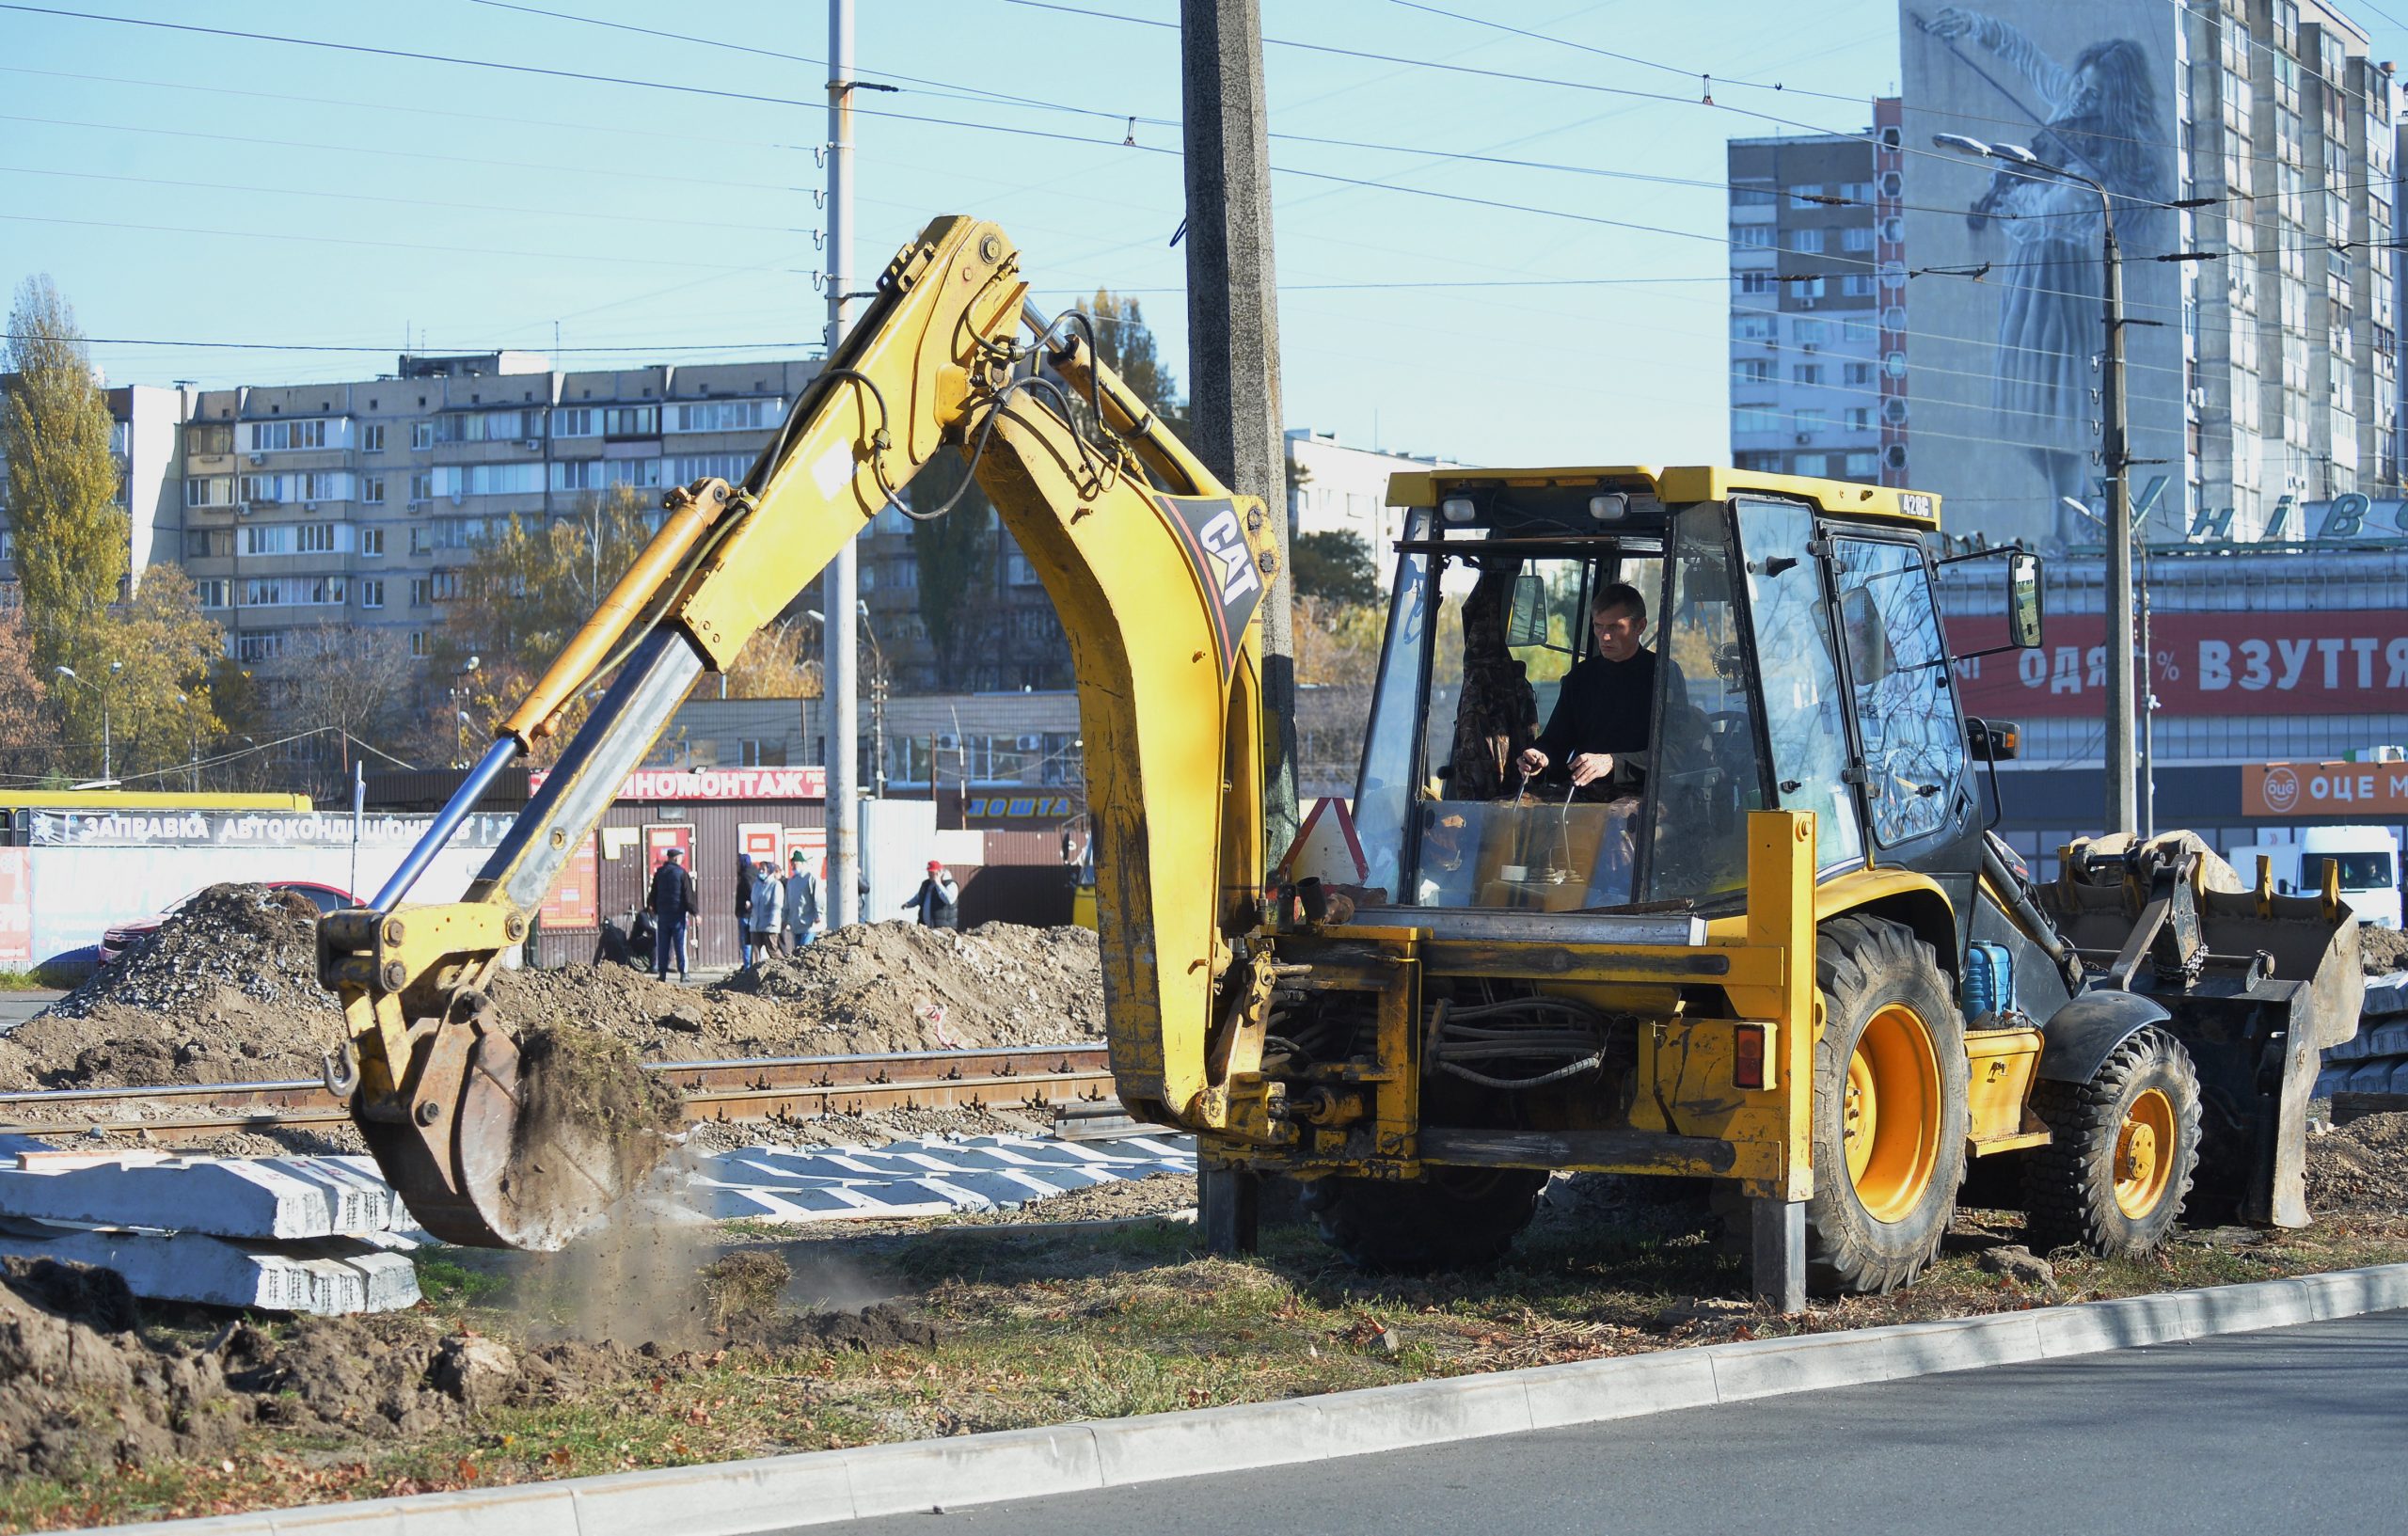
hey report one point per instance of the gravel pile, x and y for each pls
(2361, 1167)
(998, 984)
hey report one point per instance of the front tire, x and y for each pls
(2122, 1152)
(1890, 1109)
(1448, 1219)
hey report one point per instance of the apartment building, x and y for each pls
(357, 504)
(1337, 488)
(1818, 304)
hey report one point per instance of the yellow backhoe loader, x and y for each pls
(1775, 947)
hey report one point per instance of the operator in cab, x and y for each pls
(1596, 738)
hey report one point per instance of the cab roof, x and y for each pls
(1678, 484)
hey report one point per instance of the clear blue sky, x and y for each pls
(194, 187)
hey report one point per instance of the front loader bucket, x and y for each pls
(2258, 984)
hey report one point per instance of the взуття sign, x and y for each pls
(2345, 662)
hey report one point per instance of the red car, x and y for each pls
(326, 898)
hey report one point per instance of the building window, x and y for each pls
(1752, 236)
(1752, 194)
(1805, 242)
(575, 421)
(422, 434)
(418, 643)
(262, 490)
(281, 437)
(199, 544)
(1857, 191)
(1857, 238)
(419, 542)
(1755, 418)
(1859, 373)
(1857, 285)
(208, 491)
(372, 438)
(372, 592)
(1807, 423)
(1755, 282)
(445, 586)
(421, 487)
(763, 754)
(726, 416)
(372, 489)
(421, 591)
(315, 538)
(1805, 197)
(1752, 326)
(208, 437)
(1806, 373)
(261, 645)
(1753, 371)
(1861, 464)
(215, 592)
(1809, 333)
(263, 540)
(1859, 419)
(1809, 463)
(632, 421)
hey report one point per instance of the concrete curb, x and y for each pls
(736, 1499)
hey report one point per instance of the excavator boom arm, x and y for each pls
(1157, 590)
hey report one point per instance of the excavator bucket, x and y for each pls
(2257, 984)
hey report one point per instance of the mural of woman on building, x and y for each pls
(2098, 118)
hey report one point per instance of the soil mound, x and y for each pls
(997, 984)
(84, 1390)
(2382, 951)
(2361, 1166)
(225, 990)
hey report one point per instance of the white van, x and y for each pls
(2369, 858)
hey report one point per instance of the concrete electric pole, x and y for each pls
(1234, 370)
(1233, 330)
(841, 580)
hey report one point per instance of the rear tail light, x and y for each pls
(1748, 1058)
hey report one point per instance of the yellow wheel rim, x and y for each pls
(1890, 1113)
(2145, 1154)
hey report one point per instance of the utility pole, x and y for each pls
(841, 582)
(1233, 369)
(2123, 796)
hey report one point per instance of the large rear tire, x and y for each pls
(1890, 1109)
(1448, 1219)
(2123, 1149)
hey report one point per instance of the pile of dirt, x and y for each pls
(998, 984)
(2361, 1166)
(2382, 951)
(225, 990)
(85, 1388)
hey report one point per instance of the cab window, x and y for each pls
(1899, 688)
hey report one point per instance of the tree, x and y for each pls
(777, 663)
(1334, 565)
(1126, 344)
(71, 545)
(26, 739)
(1338, 644)
(358, 682)
(956, 554)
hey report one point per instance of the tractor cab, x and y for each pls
(1789, 629)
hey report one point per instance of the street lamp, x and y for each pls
(2123, 795)
(107, 753)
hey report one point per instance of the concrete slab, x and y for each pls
(280, 1197)
(919, 1178)
(323, 1275)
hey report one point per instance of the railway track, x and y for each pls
(737, 1091)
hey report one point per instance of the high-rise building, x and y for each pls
(2249, 148)
(144, 422)
(1814, 230)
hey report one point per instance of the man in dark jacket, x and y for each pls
(1603, 716)
(936, 899)
(673, 902)
(743, 909)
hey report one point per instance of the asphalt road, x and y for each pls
(16, 1008)
(2296, 1428)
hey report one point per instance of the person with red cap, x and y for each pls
(937, 900)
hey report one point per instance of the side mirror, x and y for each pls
(1992, 740)
(2023, 601)
(1526, 624)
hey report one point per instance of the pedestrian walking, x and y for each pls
(802, 902)
(743, 909)
(938, 899)
(673, 903)
(767, 914)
